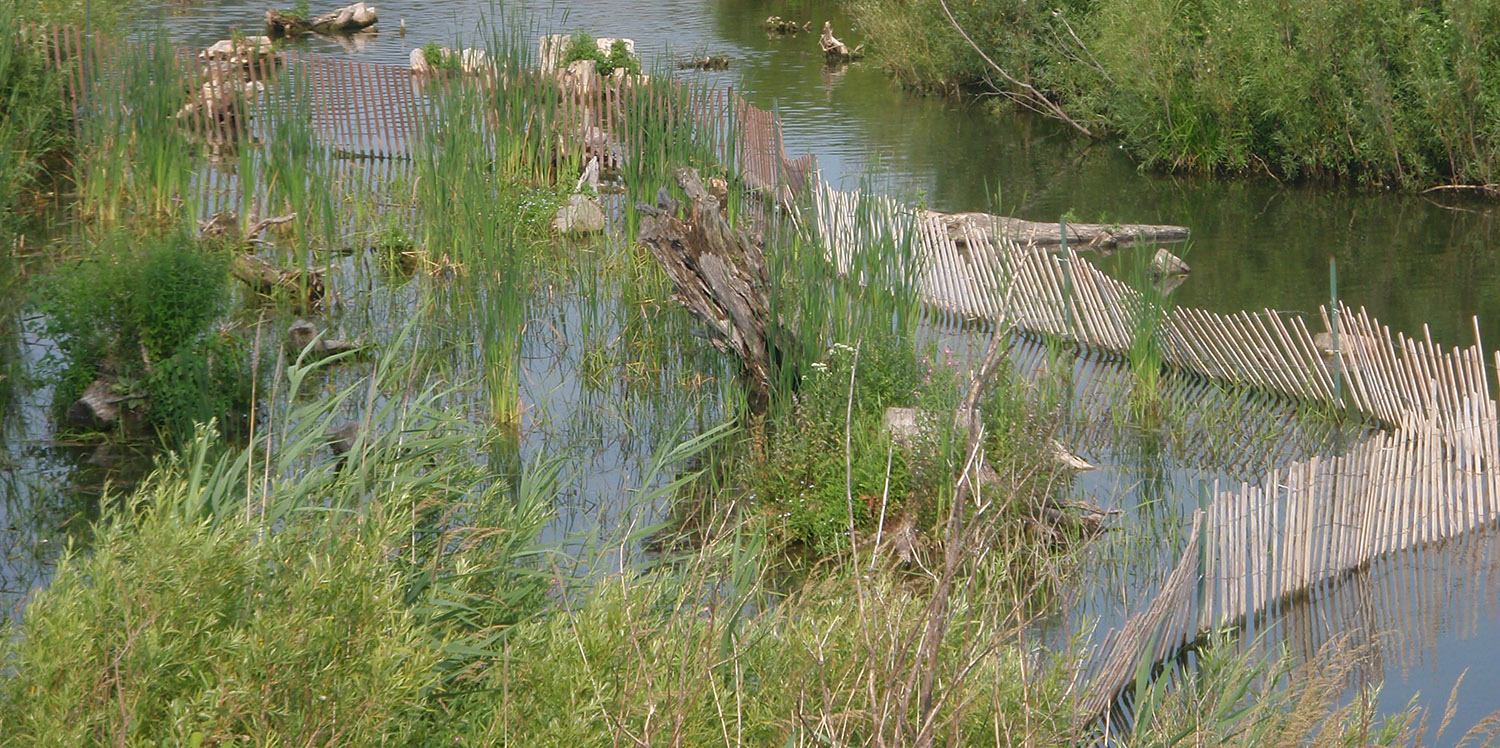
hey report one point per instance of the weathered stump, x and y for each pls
(719, 274)
(835, 50)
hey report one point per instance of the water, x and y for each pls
(1410, 259)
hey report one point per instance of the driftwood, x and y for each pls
(226, 225)
(468, 61)
(709, 62)
(266, 279)
(218, 103)
(835, 50)
(718, 273)
(778, 26)
(1039, 234)
(302, 336)
(345, 20)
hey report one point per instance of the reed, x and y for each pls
(136, 164)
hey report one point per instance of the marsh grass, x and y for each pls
(135, 165)
(36, 133)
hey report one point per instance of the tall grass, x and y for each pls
(135, 165)
(35, 123)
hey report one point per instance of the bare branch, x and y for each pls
(1051, 107)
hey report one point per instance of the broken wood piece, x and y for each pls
(718, 273)
(345, 20)
(266, 279)
(835, 50)
(218, 103)
(468, 61)
(710, 62)
(303, 336)
(225, 224)
(1165, 263)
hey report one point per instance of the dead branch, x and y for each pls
(1032, 94)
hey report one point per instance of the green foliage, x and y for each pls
(584, 47)
(663, 661)
(441, 58)
(34, 120)
(141, 311)
(803, 481)
(173, 631)
(301, 11)
(1376, 93)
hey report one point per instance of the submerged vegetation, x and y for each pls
(416, 547)
(1382, 93)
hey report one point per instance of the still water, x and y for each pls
(1412, 260)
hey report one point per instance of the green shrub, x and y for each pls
(584, 47)
(175, 631)
(803, 481)
(140, 311)
(1378, 93)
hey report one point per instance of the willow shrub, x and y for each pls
(1385, 92)
(141, 311)
(177, 631)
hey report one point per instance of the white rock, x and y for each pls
(580, 215)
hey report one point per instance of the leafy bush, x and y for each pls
(584, 47)
(1379, 93)
(174, 631)
(140, 312)
(804, 479)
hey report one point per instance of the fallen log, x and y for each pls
(709, 62)
(718, 273)
(245, 51)
(345, 20)
(1039, 234)
(305, 287)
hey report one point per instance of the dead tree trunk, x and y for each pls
(719, 274)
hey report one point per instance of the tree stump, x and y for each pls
(835, 50)
(719, 274)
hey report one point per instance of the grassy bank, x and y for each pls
(1386, 93)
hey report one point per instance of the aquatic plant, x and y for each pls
(136, 163)
(35, 123)
(584, 47)
(139, 314)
